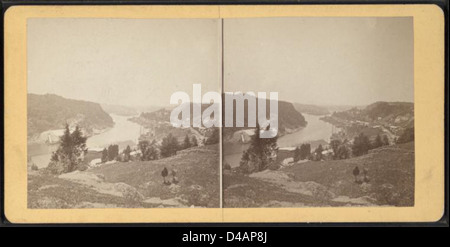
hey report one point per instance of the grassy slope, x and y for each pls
(197, 171)
(46, 191)
(391, 172)
(195, 167)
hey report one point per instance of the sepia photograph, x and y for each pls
(345, 112)
(237, 114)
(98, 113)
(317, 112)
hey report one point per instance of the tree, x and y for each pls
(66, 143)
(305, 151)
(127, 154)
(361, 145)
(104, 155)
(187, 142)
(268, 148)
(113, 152)
(143, 144)
(260, 153)
(318, 152)
(296, 154)
(214, 138)
(335, 144)
(79, 141)
(169, 146)
(386, 140)
(152, 152)
(149, 151)
(54, 157)
(342, 152)
(377, 142)
(70, 153)
(406, 136)
(194, 141)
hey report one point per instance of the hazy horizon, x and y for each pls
(320, 61)
(134, 62)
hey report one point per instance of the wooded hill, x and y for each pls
(50, 112)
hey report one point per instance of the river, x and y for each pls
(123, 133)
(315, 130)
(126, 132)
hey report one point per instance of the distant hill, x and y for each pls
(386, 109)
(389, 113)
(128, 110)
(338, 108)
(319, 110)
(311, 109)
(288, 119)
(119, 110)
(51, 112)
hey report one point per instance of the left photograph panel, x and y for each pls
(100, 101)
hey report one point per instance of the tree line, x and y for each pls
(72, 149)
(262, 152)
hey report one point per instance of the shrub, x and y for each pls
(82, 167)
(226, 166)
(407, 136)
(214, 138)
(34, 167)
(55, 167)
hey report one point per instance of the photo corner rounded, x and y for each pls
(11, 11)
(11, 217)
(438, 10)
(439, 216)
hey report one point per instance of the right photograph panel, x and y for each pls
(342, 112)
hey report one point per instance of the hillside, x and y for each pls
(158, 125)
(51, 112)
(288, 119)
(133, 184)
(162, 114)
(393, 113)
(384, 118)
(329, 183)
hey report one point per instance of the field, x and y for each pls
(133, 184)
(329, 183)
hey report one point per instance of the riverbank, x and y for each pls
(315, 132)
(123, 133)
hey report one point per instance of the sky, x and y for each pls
(131, 62)
(137, 62)
(324, 61)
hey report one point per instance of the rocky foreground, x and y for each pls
(133, 184)
(329, 183)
